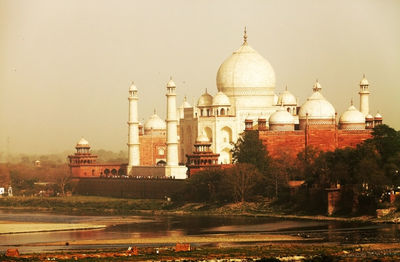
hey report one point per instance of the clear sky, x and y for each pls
(66, 65)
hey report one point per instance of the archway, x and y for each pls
(225, 156)
(226, 135)
(209, 134)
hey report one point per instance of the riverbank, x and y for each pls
(262, 252)
(106, 206)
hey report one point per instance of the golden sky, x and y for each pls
(66, 65)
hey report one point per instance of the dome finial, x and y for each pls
(317, 86)
(184, 99)
(245, 36)
(351, 101)
(155, 111)
(286, 88)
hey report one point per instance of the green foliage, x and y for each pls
(250, 149)
(367, 172)
(236, 184)
(84, 204)
(243, 180)
(206, 186)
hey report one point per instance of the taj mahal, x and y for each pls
(245, 99)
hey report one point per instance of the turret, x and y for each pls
(133, 129)
(172, 135)
(364, 96)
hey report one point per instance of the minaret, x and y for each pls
(133, 129)
(364, 96)
(172, 135)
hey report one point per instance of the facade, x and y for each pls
(246, 98)
(203, 134)
(152, 140)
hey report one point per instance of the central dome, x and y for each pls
(245, 68)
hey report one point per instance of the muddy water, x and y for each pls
(159, 226)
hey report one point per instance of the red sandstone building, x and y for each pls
(83, 164)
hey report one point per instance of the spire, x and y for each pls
(245, 36)
(286, 88)
(351, 102)
(317, 86)
(155, 111)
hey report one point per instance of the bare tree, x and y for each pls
(243, 178)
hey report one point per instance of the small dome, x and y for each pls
(202, 138)
(154, 123)
(364, 81)
(352, 116)
(205, 100)
(281, 117)
(185, 103)
(171, 83)
(378, 116)
(287, 98)
(82, 142)
(133, 87)
(369, 117)
(220, 99)
(317, 107)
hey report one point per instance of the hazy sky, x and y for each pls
(66, 66)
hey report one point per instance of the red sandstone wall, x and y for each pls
(351, 138)
(293, 142)
(149, 149)
(324, 140)
(95, 170)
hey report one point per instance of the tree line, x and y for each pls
(367, 174)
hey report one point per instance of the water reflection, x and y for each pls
(164, 226)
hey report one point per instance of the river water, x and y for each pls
(160, 226)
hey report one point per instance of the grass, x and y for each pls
(85, 205)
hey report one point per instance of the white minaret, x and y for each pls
(172, 135)
(133, 129)
(364, 96)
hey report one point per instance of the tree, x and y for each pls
(205, 186)
(250, 149)
(243, 179)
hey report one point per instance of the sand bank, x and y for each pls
(22, 227)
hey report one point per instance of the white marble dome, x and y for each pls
(82, 142)
(378, 116)
(220, 99)
(352, 116)
(245, 68)
(205, 100)
(364, 81)
(171, 83)
(317, 107)
(133, 87)
(287, 98)
(155, 123)
(281, 117)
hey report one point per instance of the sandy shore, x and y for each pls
(21, 227)
(231, 238)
